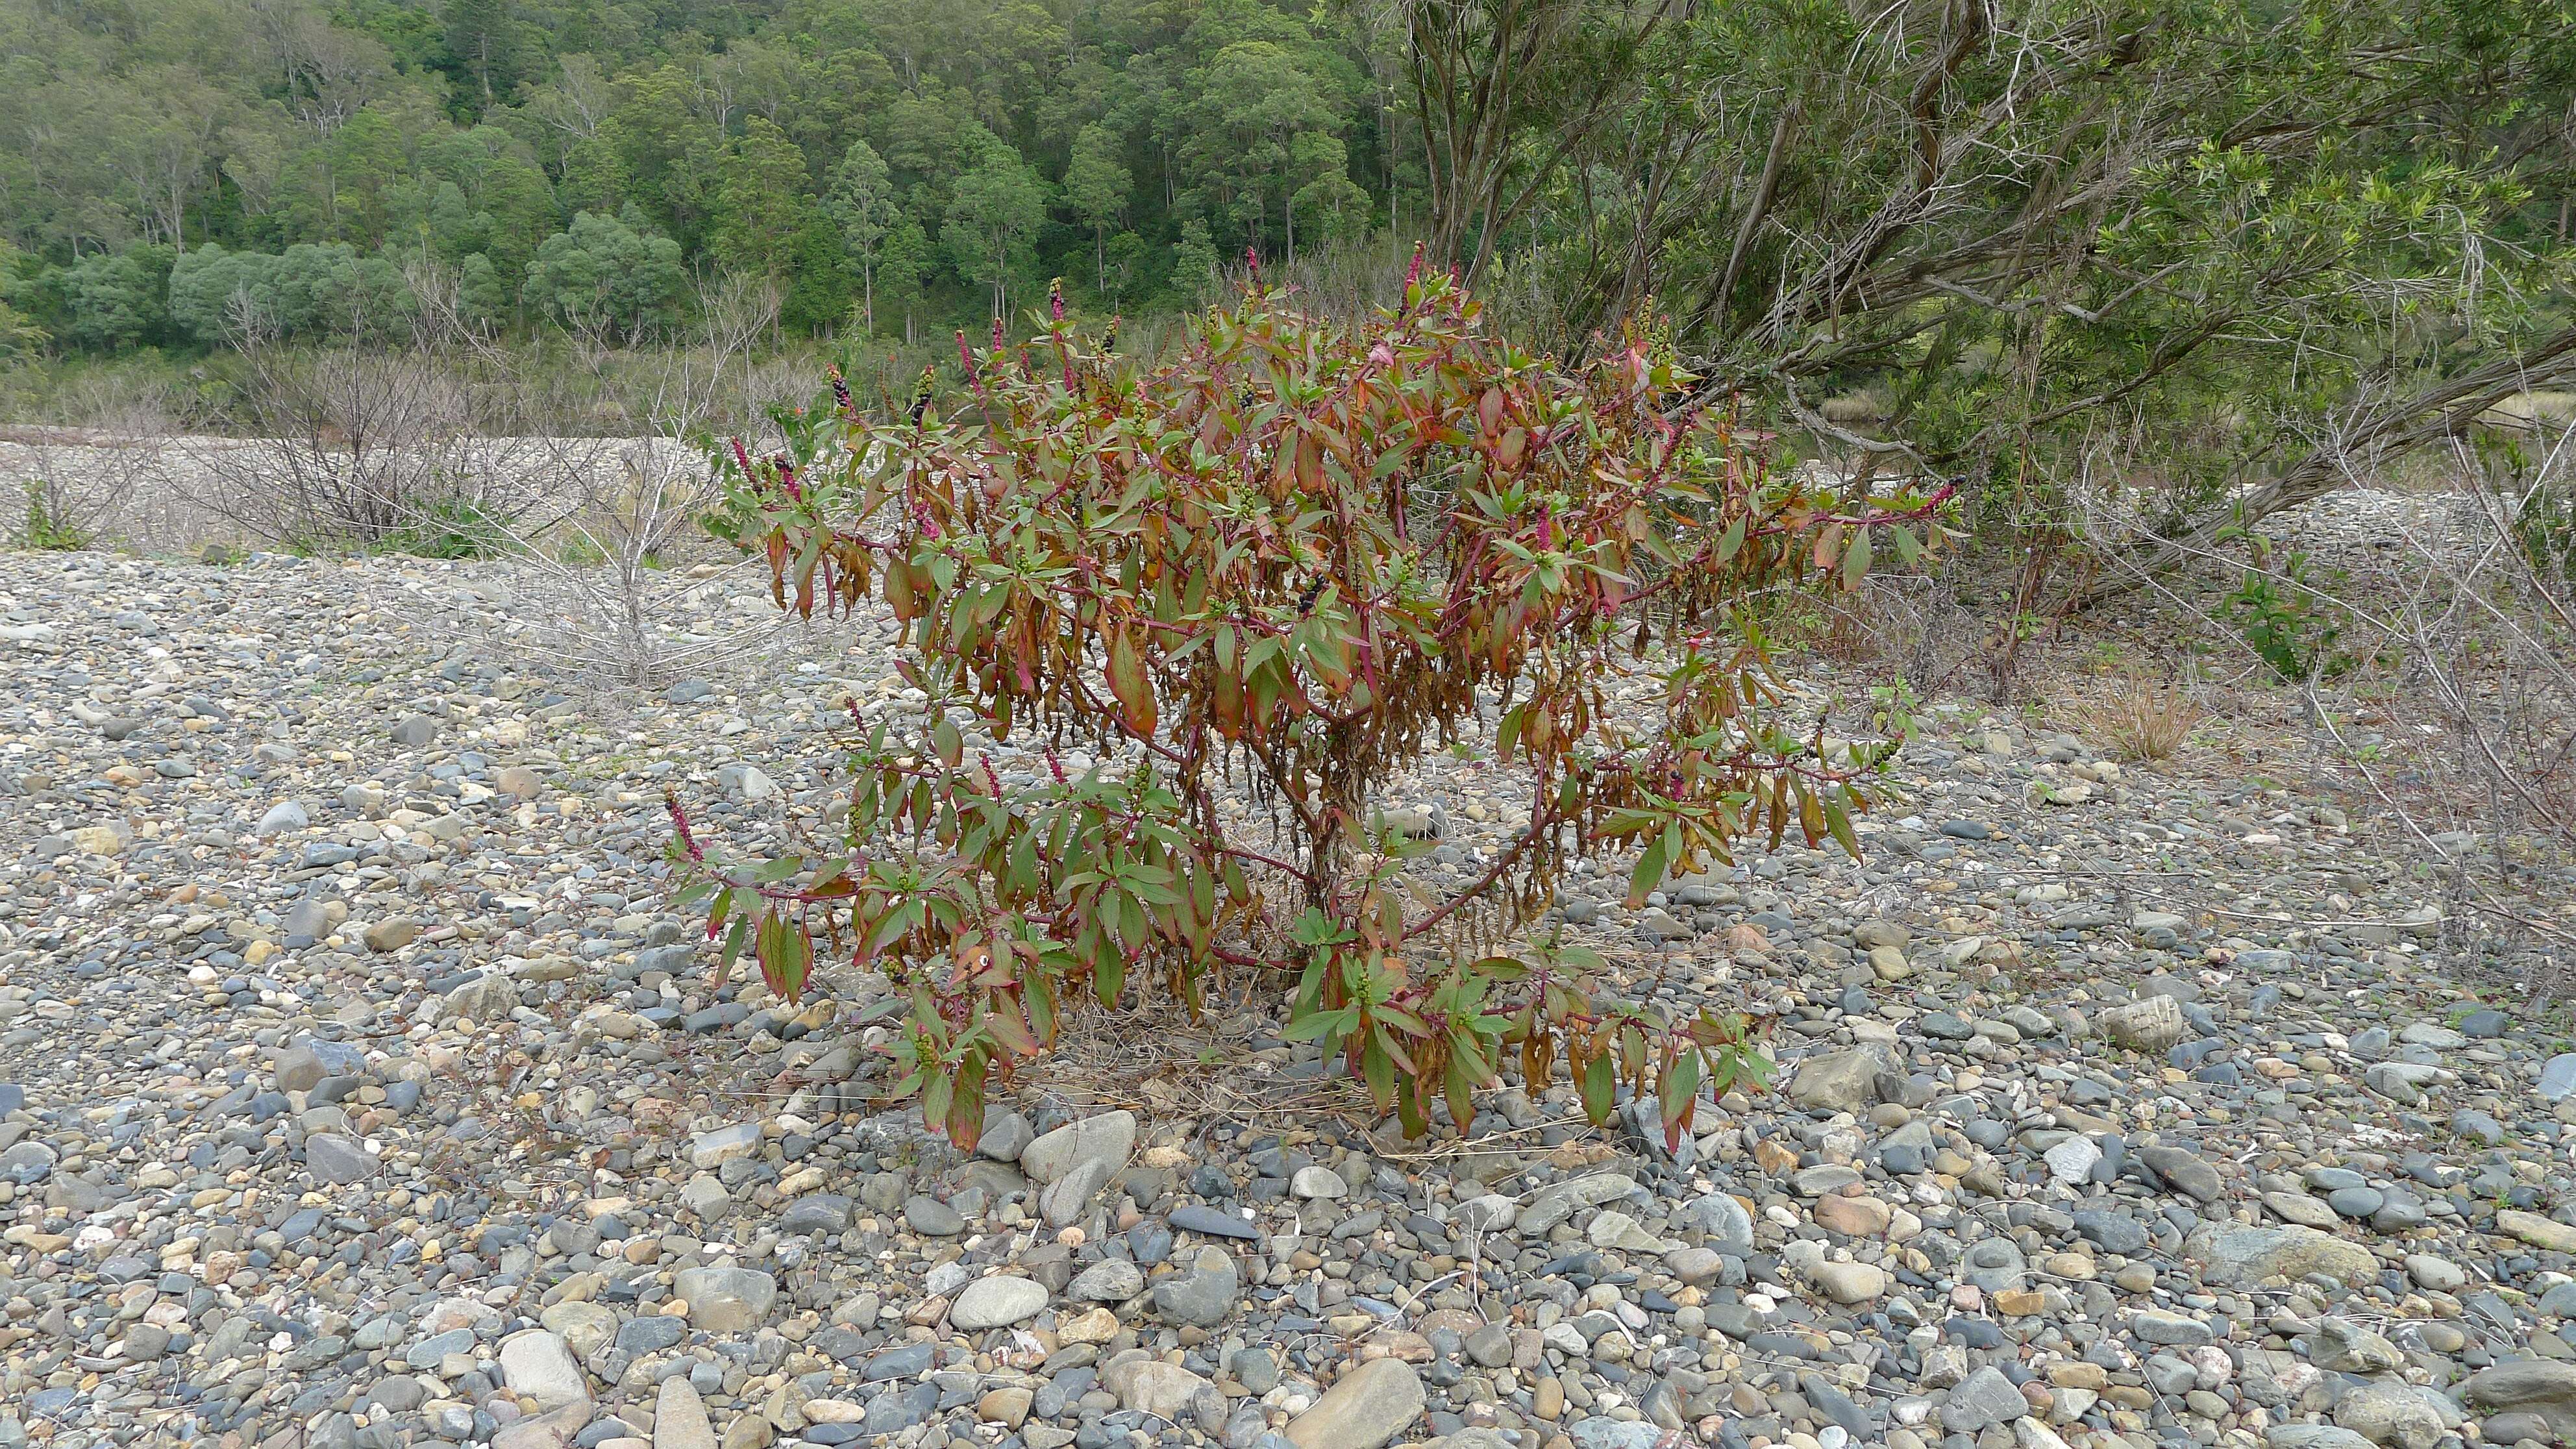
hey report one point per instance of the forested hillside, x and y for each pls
(2245, 250)
(172, 170)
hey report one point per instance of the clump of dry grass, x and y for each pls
(2148, 719)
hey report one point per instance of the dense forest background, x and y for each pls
(2199, 260)
(171, 172)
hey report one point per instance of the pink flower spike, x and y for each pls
(680, 825)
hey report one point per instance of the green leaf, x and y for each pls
(1682, 1084)
(1128, 681)
(938, 1091)
(1732, 540)
(1013, 1033)
(1648, 874)
(1856, 561)
(1838, 821)
(1458, 1087)
(1380, 1075)
(1598, 1083)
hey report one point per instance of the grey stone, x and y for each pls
(1257, 1369)
(1602, 1432)
(996, 1302)
(650, 1334)
(2536, 1386)
(720, 1145)
(2185, 1170)
(1106, 1138)
(1838, 1082)
(338, 1160)
(1981, 1400)
(2173, 1330)
(1006, 1135)
(1316, 1182)
(2243, 1257)
(1151, 1386)
(2342, 1346)
(1558, 1201)
(932, 1218)
(2312, 1436)
(818, 1212)
(1212, 1222)
(680, 1417)
(1111, 1280)
(2398, 1415)
(2153, 1025)
(489, 997)
(1066, 1199)
(282, 817)
(1203, 1295)
(726, 1299)
(1491, 1345)
(1726, 1222)
(299, 1069)
(1367, 1407)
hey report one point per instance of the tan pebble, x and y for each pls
(1097, 1325)
(2077, 1374)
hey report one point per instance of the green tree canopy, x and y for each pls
(993, 215)
(601, 275)
(862, 204)
(1096, 184)
(763, 201)
(218, 296)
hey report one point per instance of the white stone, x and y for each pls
(538, 1364)
(997, 1303)
(2072, 1160)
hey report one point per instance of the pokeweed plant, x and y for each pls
(1277, 568)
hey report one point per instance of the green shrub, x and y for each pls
(48, 523)
(1289, 560)
(454, 528)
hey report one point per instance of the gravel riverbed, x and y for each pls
(358, 1088)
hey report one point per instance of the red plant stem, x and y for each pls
(1303, 877)
(1539, 823)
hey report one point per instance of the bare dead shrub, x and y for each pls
(2475, 753)
(99, 478)
(1911, 628)
(348, 446)
(598, 572)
